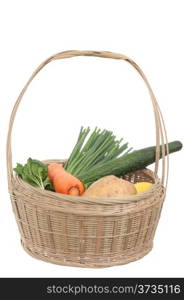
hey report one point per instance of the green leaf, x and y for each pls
(34, 172)
(19, 169)
(48, 185)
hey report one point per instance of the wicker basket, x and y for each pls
(89, 232)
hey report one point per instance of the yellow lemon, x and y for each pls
(142, 186)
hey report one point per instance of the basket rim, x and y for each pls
(92, 200)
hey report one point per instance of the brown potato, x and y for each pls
(110, 187)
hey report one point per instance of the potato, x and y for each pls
(110, 187)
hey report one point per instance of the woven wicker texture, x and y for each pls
(89, 232)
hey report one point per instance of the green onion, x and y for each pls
(93, 152)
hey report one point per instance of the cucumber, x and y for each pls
(136, 160)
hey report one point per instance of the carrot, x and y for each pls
(53, 169)
(63, 181)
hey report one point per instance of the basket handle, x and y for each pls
(161, 135)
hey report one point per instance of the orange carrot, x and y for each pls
(63, 181)
(53, 169)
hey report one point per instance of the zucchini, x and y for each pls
(136, 160)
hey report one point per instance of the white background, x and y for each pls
(91, 91)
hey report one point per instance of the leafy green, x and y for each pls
(19, 169)
(48, 185)
(35, 173)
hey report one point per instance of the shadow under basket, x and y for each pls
(89, 232)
